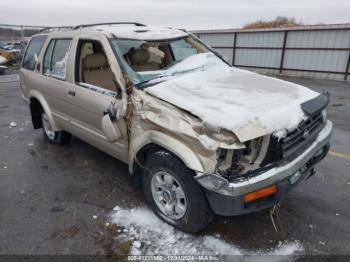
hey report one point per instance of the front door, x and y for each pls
(94, 91)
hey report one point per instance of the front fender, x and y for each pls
(37, 95)
(169, 143)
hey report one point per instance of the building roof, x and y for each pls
(291, 28)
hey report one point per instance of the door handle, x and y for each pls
(71, 93)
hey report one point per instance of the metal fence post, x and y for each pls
(347, 68)
(283, 50)
(234, 48)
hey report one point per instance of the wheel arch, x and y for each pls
(37, 104)
(154, 140)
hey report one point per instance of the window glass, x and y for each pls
(59, 58)
(182, 49)
(145, 60)
(47, 58)
(55, 60)
(33, 50)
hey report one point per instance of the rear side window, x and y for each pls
(34, 47)
(56, 56)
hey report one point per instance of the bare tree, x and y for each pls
(279, 21)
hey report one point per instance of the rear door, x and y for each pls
(55, 78)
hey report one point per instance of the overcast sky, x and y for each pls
(189, 14)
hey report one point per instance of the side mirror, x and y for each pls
(110, 129)
(112, 111)
(108, 123)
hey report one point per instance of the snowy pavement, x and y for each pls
(151, 236)
(8, 78)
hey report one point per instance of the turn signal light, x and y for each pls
(260, 193)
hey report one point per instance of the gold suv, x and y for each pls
(201, 136)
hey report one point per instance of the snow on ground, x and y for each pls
(151, 236)
(12, 124)
(231, 98)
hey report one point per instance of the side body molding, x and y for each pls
(171, 144)
(37, 95)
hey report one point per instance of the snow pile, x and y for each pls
(152, 236)
(12, 124)
(230, 98)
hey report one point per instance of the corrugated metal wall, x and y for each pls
(318, 53)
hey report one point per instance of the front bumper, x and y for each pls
(226, 198)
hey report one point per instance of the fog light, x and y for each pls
(260, 193)
(324, 115)
(294, 178)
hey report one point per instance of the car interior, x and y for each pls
(149, 57)
(93, 66)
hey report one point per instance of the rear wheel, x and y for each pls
(55, 137)
(175, 196)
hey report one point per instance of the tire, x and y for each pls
(191, 212)
(54, 137)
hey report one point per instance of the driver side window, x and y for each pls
(92, 67)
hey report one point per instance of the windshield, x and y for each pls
(146, 60)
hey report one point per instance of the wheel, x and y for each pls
(55, 137)
(174, 194)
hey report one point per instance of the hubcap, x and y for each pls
(168, 195)
(47, 127)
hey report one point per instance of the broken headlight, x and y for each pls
(236, 162)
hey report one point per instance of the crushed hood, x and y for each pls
(246, 103)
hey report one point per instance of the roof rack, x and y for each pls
(111, 23)
(48, 28)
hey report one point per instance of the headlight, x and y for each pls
(211, 182)
(324, 115)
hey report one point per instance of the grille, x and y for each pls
(295, 141)
(302, 136)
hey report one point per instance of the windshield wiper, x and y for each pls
(146, 83)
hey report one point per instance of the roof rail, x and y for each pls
(56, 28)
(111, 23)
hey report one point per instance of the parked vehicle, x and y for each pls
(203, 137)
(11, 55)
(3, 61)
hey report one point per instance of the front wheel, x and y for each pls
(175, 196)
(55, 137)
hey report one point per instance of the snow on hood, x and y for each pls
(249, 104)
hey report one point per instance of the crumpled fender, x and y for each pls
(176, 147)
(41, 99)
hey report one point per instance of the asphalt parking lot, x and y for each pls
(58, 199)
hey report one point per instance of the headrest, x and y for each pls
(94, 61)
(139, 56)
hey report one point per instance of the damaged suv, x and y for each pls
(201, 136)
